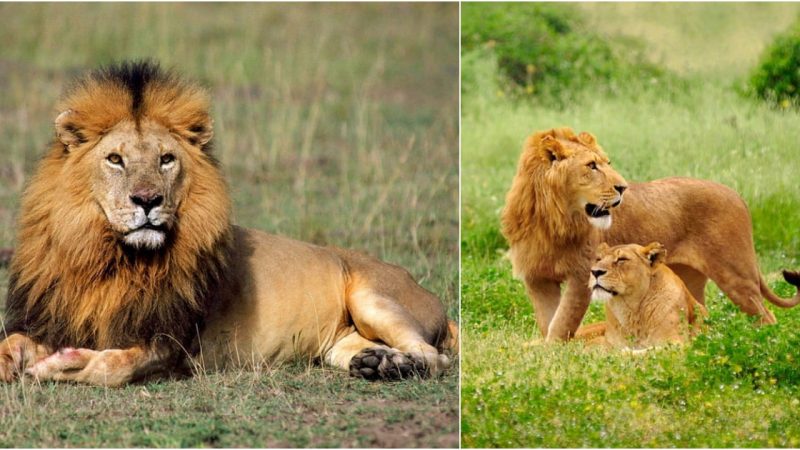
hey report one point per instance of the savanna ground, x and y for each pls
(735, 386)
(335, 124)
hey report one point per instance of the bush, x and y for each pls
(777, 77)
(545, 49)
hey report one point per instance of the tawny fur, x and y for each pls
(650, 306)
(113, 290)
(75, 284)
(704, 225)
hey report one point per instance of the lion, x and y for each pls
(561, 204)
(646, 304)
(127, 261)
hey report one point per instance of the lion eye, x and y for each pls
(114, 159)
(592, 165)
(167, 158)
(621, 260)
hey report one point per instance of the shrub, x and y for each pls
(777, 78)
(546, 50)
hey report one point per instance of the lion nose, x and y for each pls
(598, 273)
(620, 189)
(147, 199)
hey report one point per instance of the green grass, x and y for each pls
(335, 124)
(735, 386)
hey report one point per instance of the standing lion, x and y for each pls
(126, 254)
(560, 207)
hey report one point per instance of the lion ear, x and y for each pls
(67, 130)
(553, 149)
(200, 134)
(655, 253)
(587, 139)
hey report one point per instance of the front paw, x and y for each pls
(9, 370)
(63, 365)
(16, 353)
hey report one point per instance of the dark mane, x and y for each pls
(133, 76)
(71, 282)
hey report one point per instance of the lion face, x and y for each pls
(624, 270)
(580, 169)
(137, 179)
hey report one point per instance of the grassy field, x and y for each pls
(335, 124)
(735, 386)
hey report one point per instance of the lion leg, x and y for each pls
(342, 353)
(112, 368)
(738, 277)
(371, 360)
(17, 353)
(380, 318)
(740, 280)
(593, 333)
(747, 296)
(694, 280)
(570, 311)
(545, 296)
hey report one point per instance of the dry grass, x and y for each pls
(335, 124)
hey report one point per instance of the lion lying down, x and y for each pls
(646, 304)
(126, 254)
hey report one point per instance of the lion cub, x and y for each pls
(646, 304)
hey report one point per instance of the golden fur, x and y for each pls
(127, 259)
(551, 227)
(646, 304)
(74, 283)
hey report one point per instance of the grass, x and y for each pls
(735, 386)
(293, 406)
(665, 29)
(335, 124)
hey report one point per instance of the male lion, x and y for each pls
(646, 304)
(126, 253)
(560, 208)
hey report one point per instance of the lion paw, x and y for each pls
(378, 363)
(9, 370)
(61, 364)
(16, 353)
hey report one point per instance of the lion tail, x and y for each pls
(792, 278)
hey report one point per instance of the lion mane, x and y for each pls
(535, 220)
(561, 204)
(72, 283)
(530, 208)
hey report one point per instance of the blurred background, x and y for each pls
(706, 90)
(334, 123)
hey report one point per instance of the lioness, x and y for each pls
(560, 207)
(646, 304)
(126, 253)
